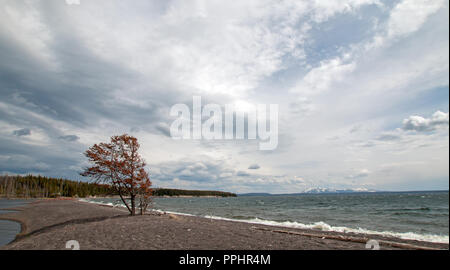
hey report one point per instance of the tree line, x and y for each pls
(32, 186)
(181, 192)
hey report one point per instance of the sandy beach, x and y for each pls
(49, 224)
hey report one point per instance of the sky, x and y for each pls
(362, 88)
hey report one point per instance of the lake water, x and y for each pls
(9, 229)
(409, 215)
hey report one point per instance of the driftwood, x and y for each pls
(348, 239)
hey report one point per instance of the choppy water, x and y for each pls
(409, 215)
(9, 229)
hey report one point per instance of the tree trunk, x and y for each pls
(123, 200)
(133, 205)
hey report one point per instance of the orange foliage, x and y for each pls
(118, 163)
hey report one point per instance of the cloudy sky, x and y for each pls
(362, 88)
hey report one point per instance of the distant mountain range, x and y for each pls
(328, 190)
(314, 191)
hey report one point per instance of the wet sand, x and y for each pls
(49, 224)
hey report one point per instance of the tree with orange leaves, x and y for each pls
(119, 164)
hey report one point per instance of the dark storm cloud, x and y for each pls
(82, 87)
(388, 137)
(74, 87)
(80, 93)
(194, 171)
(242, 173)
(254, 167)
(22, 132)
(69, 138)
(52, 160)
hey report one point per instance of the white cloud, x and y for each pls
(302, 106)
(324, 76)
(326, 9)
(360, 174)
(409, 15)
(73, 2)
(208, 46)
(418, 123)
(405, 18)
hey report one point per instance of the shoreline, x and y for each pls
(105, 227)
